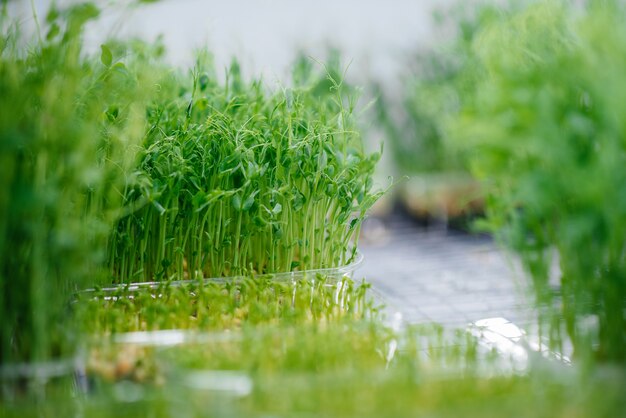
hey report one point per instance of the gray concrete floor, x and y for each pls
(435, 274)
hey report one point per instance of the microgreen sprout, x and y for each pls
(549, 144)
(238, 180)
(70, 125)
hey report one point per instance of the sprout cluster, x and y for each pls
(235, 180)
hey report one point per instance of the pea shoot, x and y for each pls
(235, 179)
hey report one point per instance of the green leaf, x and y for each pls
(82, 13)
(298, 201)
(198, 199)
(203, 81)
(247, 204)
(53, 32)
(120, 68)
(112, 113)
(158, 207)
(201, 103)
(278, 208)
(236, 202)
(106, 57)
(52, 15)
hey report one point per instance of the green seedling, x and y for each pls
(236, 180)
(437, 81)
(544, 129)
(70, 126)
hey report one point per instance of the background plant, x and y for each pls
(545, 131)
(414, 117)
(434, 88)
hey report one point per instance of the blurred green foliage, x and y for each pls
(434, 88)
(70, 125)
(339, 370)
(544, 127)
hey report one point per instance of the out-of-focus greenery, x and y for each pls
(435, 86)
(545, 129)
(340, 370)
(246, 324)
(70, 125)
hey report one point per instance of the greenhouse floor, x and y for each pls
(436, 274)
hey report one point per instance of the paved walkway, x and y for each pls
(439, 275)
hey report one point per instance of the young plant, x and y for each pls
(436, 83)
(238, 180)
(415, 126)
(69, 126)
(545, 126)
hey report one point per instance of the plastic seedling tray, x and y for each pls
(337, 279)
(332, 273)
(41, 378)
(287, 293)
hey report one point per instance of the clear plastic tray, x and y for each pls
(332, 273)
(145, 342)
(174, 337)
(19, 381)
